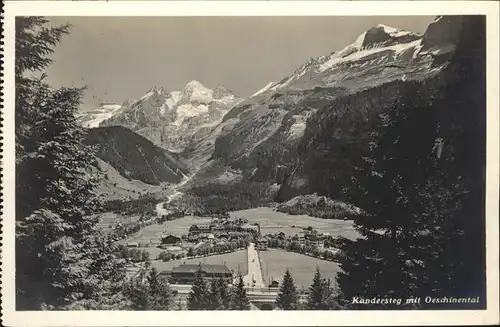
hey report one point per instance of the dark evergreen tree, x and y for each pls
(149, 291)
(225, 295)
(198, 297)
(382, 261)
(317, 293)
(418, 226)
(59, 257)
(239, 298)
(287, 298)
(218, 295)
(329, 296)
(463, 125)
(137, 291)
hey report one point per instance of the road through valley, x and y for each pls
(254, 271)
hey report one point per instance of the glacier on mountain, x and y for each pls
(171, 120)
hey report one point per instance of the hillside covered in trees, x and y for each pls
(134, 156)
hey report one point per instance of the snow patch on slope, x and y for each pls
(336, 58)
(392, 31)
(298, 128)
(264, 89)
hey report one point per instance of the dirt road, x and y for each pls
(254, 271)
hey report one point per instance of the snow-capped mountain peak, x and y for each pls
(194, 86)
(194, 91)
(157, 89)
(392, 31)
(170, 119)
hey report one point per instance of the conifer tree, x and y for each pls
(218, 295)
(161, 295)
(149, 291)
(404, 213)
(198, 297)
(317, 293)
(225, 295)
(239, 298)
(214, 299)
(375, 264)
(329, 296)
(287, 298)
(59, 260)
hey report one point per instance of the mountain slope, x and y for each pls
(173, 120)
(134, 157)
(261, 135)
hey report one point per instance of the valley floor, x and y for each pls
(272, 222)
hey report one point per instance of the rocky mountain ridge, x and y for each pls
(259, 137)
(170, 119)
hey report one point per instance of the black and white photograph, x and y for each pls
(333, 163)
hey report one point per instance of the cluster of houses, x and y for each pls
(218, 231)
(224, 229)
(308, 235)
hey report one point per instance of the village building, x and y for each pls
(250, 228)
(133, 244)
(186, 273)
(300, 237)
(281, 236)
(199, 229)
(262, 244)
(218, 228)
(170, 240)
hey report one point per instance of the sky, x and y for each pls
(121, 58)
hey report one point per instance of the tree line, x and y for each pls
(220, 198)
(215, 294)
